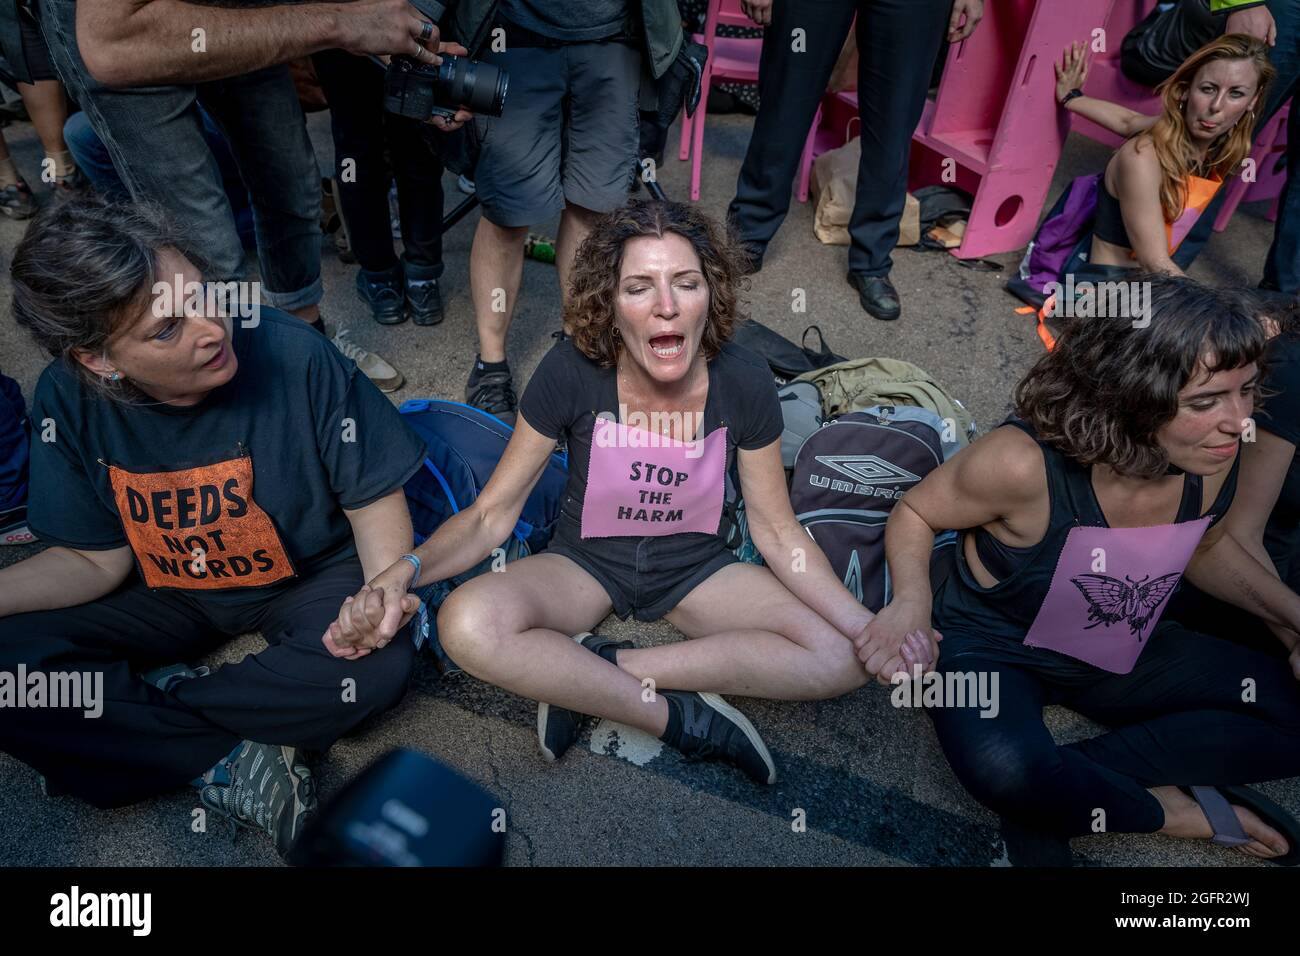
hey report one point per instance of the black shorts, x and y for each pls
(646, 577)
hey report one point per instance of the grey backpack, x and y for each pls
(848, 476)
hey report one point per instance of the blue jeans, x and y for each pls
(92, 159)
(154, 135)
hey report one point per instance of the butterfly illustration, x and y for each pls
(1110, 600)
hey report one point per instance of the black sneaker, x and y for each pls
(383, 292)
(262, 787)
(493, 392)
(558, 728)
(423, 301)
(714, 730)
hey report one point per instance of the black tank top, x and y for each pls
(1108, 223)
(1008, 608)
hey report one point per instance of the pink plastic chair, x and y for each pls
(731, 59)
(1269, 155)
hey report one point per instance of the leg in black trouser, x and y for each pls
(362, 129)
(898, 41)
(1178, 718)
(293, 693)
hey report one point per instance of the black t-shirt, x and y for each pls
(568, 391)
(1280, 414)
(177, 484)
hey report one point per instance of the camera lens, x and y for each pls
(479, 87)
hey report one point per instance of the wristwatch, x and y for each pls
(1073, 94)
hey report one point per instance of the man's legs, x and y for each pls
(517, 181)
(790, 83)
(155, 138)
(898, 41)
(263, 123)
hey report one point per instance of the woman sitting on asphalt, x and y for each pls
(1265, 519)
(1077, 521)
(1159, 182)
(644, 519)
(153, 420)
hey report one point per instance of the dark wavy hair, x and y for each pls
(82, 269)
(593, 283)
(1101, 395)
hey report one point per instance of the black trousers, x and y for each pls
(1195, 710)
(363, 132)
(898, 41)
(146, 741)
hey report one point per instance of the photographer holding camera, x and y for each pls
(567, 145)
(174, 55)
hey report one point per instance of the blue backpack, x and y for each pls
(464, 445)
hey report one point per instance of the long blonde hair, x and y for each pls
(1169, 136)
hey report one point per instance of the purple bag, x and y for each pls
(1068, 224)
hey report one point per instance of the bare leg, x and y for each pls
(575, 223)
(48, 108)
(753, 638)
(496, 266)
(515, 629)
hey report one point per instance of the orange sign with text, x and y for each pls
(200, 529)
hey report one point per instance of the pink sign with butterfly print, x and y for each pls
(1109, 589)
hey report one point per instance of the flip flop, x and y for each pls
(1217, 803)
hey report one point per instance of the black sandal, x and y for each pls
(1217, 803)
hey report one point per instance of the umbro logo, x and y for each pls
(868, 469)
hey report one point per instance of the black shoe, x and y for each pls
(383, 292)
(493, 392)
(714, 730)
(877, 295)
(558, 728)
(423, 301)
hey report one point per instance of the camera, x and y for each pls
(417, 90)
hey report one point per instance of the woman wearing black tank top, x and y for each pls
(1077, 523)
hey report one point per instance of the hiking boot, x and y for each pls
(13, 527)
(373, 367)
(493, 392)
(711, 729)
(16, 201)
(558, 728)
(262, 787)
(382, 291)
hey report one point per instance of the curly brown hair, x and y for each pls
(1101, 395)
(593, 283)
